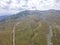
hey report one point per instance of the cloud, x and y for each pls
(29, 5)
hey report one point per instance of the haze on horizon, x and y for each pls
(14, 6)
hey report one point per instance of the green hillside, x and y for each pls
(31, 28)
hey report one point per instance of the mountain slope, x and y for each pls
(31, 28)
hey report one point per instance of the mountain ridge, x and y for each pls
(33, 12)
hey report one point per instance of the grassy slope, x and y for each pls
(31, 31)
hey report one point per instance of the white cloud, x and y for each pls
(29, 4)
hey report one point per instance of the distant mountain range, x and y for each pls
(49, 14)
(3, 17)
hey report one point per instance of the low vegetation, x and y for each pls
(31, 30)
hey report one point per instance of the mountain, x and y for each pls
(32, 27)
(3, 17)
(48, 14)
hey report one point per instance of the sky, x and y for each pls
(15, 6)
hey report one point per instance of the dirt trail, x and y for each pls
(14, 32)
(49, 36)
